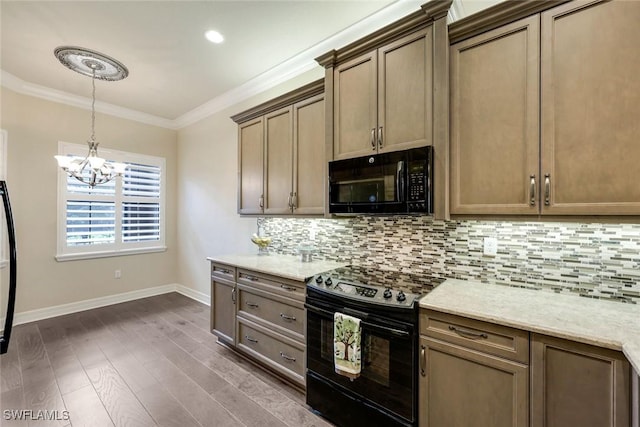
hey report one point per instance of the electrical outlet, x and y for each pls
(490, 246)
(118, 274)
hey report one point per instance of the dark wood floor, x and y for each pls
(141, 363)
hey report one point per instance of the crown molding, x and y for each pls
(281, 73)
(301, 63)
(16, 84)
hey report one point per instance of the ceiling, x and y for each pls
(176, 76)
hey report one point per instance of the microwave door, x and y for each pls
(8, 277)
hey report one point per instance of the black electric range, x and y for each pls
(385, 301)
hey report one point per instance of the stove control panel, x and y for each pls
(356, 290)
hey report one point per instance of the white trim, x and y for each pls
(108, 254)
(16, 84)
(289, 69)
(194, 295)
(74, 307)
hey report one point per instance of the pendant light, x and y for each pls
(92, 169)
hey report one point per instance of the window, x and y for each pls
(121, 217)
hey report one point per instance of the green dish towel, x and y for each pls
(346, 345)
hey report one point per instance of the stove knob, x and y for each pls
(400, 297)
(319, 280)
(328, 282)
(387, 293)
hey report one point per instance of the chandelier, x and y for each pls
(92, 169)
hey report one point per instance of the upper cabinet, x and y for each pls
(544, 111)
(494, 120)
(590, 108)
(383, 98)
(388, 92)
(281, 155)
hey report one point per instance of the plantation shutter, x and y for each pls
(141, 203)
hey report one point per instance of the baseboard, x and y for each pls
(193, 294)
(74, 307)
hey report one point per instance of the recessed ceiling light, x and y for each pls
(214, 36)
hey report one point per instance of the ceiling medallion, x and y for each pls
(86, 61)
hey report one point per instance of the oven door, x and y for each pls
(387, 376)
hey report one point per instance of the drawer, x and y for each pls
(283, 314)
(279, 286)
(223, 271)
(502, 341)
(278, 353)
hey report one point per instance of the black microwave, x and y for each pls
(386, 183)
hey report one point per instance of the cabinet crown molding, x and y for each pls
(497, 16)
(306, 91)
(430, 12)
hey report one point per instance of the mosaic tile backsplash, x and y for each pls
(591, 260)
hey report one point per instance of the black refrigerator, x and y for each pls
(8, 269)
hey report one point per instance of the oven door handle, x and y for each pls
(392, 331)
(383, 329)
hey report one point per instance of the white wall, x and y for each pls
(34, 127)
(208, 223)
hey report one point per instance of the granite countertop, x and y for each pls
(602, 323)
(287, 266)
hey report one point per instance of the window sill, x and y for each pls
(107, 254)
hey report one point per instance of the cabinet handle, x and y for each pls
(380, 137)
(532, 190)
(373, 139)
(233, 295)
(287, 318)
(288, 288)
(261, 201)
(225, 271)
(289, 358)
(289, 202)
(468, 334)
(253, 340)
(294, 200)
(547, 189)
(252, 304)
(423, 360)
(252, 278)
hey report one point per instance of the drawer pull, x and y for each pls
(468, 334)
(288, 288)
(289, 358)
(223, 270)
(423, 361)
(252, 304)
(233, 295)
(252, 278)
(253, 340)
(287, 318)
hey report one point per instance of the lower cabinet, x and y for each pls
(223, 300)
(481, 374)
(576, 384)
(472, 373)
(261, 316)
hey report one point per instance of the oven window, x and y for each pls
(375, 353)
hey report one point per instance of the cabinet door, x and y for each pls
(250, 166)
(355, 107)
(405, 92)
(223, 310)
(590, 107)
(577, 385)
(461, 388)
(310, 168)
(279, 152)
(494, 121)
